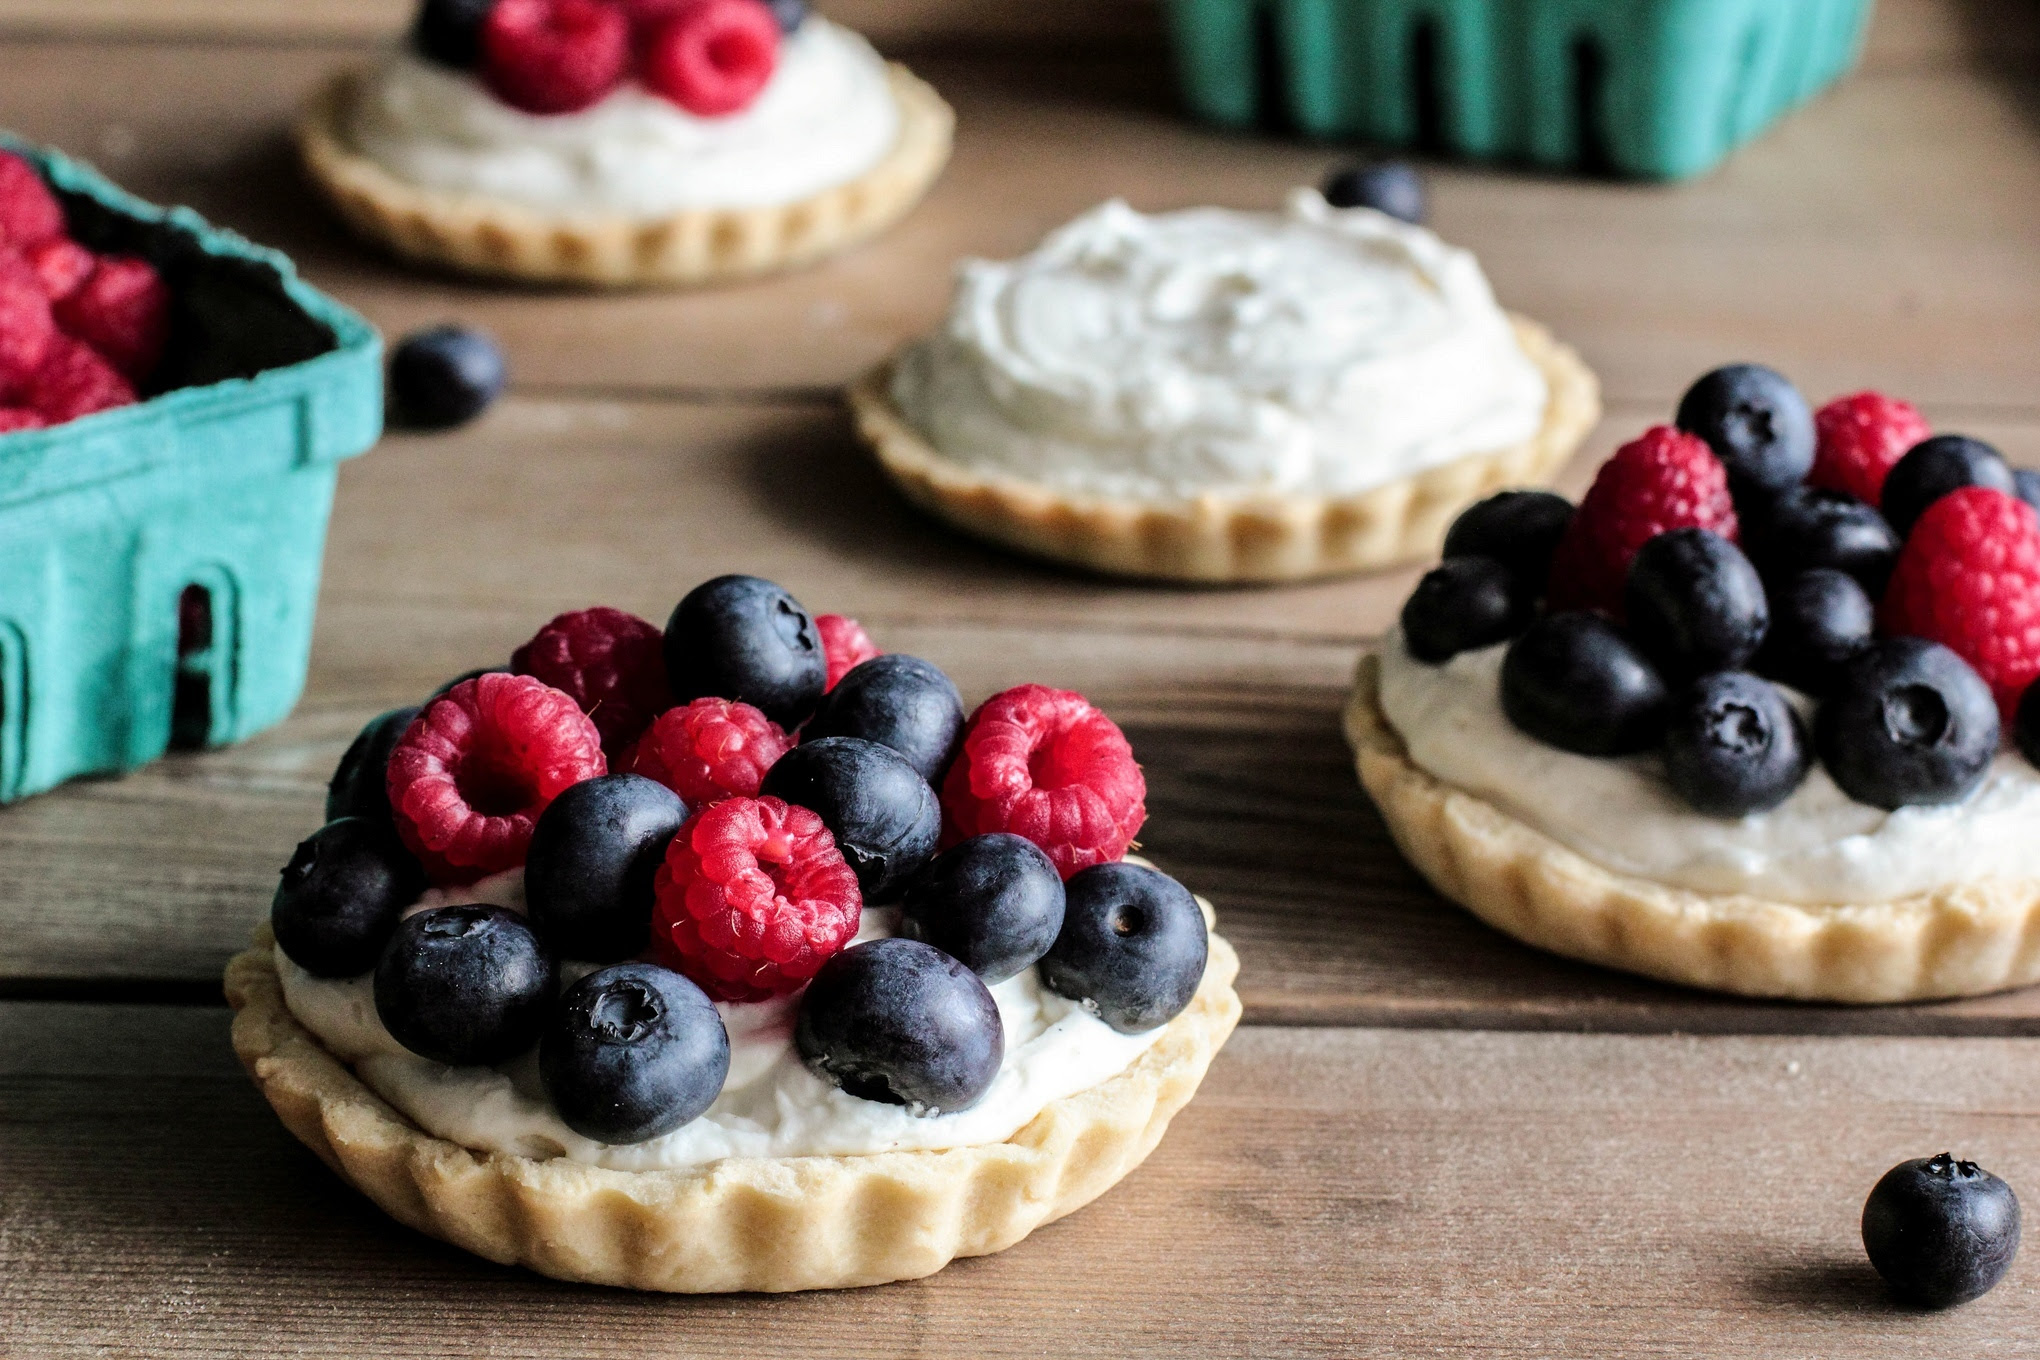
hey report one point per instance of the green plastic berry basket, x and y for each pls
(1657, 89)
(159, 563)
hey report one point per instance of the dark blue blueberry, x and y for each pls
(898, 701)
(1820, 621)
(738, 637)
(1757, 424)
(791, 14)
(1462, 604)
(1734, 745)
(1940, 1231)
(1695, 603)
(450, 31)
(588, 875)
(1392, 187)
(2026, 486)
(1133, 945)
(361, 786)
(885, 818)
(1519, 529)
(464, 677)
(901, 1022)
(1934, 467)
(1805, 527)
(444, 376)
(2026, 724)
(1575, 682)
(1907, 722)
(466, 985)
(342, 894)
(632, 1052)
(994, 902)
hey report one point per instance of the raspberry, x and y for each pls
(14, 418)
(613, 664)
(714, 56)
(1665, 479)
(123, 311)
(29, 212)
(1969, 579)
(845, 644)
(554, 56)
(1861, 436)
(74, 381)
(470, 775)
(752, 899)
(61, 265)
(26, 328)
(1044, 764)
(709, 750)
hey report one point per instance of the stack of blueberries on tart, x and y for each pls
(680, 915)
(1758, 714)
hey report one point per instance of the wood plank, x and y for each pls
(1351, 1193)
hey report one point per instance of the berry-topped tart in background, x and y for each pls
(1759, 714)
(733, 957)
(625, 142)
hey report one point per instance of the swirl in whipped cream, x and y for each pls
(1314, 351)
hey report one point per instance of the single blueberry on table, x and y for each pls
(444, 376)
(1934, 467)
(594, 853)
(901, 1022)
(633, 1051)
(1519, 529)
(361, 784)
(1575, 682)
(1734, 745)
(342, 894)
(1820, 621)
(1756, 422)
(1392, 187)
(884, 816)
(1462, 604)
(742, 638)
(1695, 603)
(450, 31)
(1908, 722)
(993, 902)
(1133, 945)
(1941, 1231)
(465, 985)
(1806, 527)
(898, 701)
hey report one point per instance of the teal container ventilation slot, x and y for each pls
(1657, 89)
(159, 564)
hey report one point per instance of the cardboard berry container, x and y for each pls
(1658, 89)
(159, 563)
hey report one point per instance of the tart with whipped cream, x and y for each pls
(657, 960)
(625, 142)
(1211, 395)
(1760, 715)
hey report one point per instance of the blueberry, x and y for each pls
(1806, 527)
(898, 701)
(1755, 421)
(1392, 187)
(791, 14)
(1941, 1232)
(1934, 467)
(342, 894)
(588, 874)
(885, 818)
(1908, 722)
(1820, 621)
(1734, 745)
(450, 31)
(1133, 946)
(360, 785)
(2026, 486)
(465, 985)
(901, 1022)
(632, 1052)
(1520, 529)
(2026, 724)
(444, 376)
(1574, 682)
(738, 637)
(1695, 603)
(1462, 604)
(994, 902)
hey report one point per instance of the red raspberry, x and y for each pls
(845, 644)
(1665, 479)
(709, 750)
(554, 56)
(74, 381)
(1969, 579)
(123, 311)
(1044, 764)
(752, 899)
(61, 265)
(26, 328)
(714, 56)
(1861, 436)
(470, 775)
(29, 212)
(14, 418)
(612, 663)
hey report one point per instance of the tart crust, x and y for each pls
(477, 234)
(1960, 941)
(755, 1223)
(1215, 539)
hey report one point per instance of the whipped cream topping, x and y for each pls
(770, 1106)
(825, 117)
(1312, 351)
(1818, 847)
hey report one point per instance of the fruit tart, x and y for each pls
(1758, 714)
(656, 959)
(625, 142)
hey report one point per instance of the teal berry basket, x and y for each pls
(1657, 89)
(159, 563)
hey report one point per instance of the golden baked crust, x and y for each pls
(480, 235)
(1217, 539)
(1962, 941)
(742, 1223)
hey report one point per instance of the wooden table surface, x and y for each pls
(1425, 1139)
